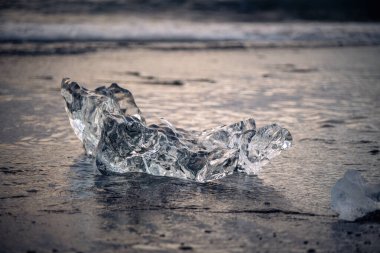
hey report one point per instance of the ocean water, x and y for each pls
(148, 29)
(30, 33)
(320, 80)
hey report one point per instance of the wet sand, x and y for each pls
(53, 200)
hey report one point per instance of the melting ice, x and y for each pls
(113, 130)
(352, 197)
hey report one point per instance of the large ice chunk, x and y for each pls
(352, 197)
(113, 130)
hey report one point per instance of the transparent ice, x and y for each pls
(113, 130)
(352, 197)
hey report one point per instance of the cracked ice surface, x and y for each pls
(352, 197)
(113, 130)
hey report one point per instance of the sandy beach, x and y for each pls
(52, 199)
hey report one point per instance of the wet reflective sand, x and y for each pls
(51, 197)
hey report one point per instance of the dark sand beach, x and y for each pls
(311, 66)
(54, 200)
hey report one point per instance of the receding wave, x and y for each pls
(274, 34)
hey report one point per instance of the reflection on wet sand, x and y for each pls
(53, 198)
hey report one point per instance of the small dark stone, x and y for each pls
(208, 231)
(44, 77)
(54, 250)
(32, 190)
(367, 242)
(132, 230)
(349, 232)
(327, 126)
(177, 82)
(358, 234)
(274, 235)
(311, 251)
(162, 235)
(30, 251)
(183, 247)
(267, 203)
(374, 152)
(305, 242)
(133, 73)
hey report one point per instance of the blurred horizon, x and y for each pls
(216, 10)
(74, 26)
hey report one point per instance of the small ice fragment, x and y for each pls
(113, 130)
(352, 197)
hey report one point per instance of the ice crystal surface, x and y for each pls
(113, 130)
(352, 197)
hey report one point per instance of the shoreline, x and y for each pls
(85, 47)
